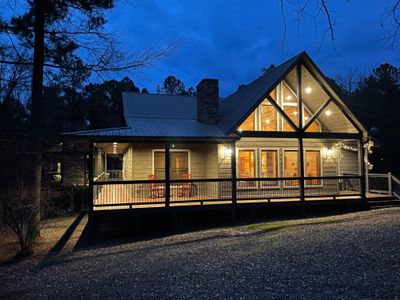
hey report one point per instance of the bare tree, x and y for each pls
(19, 181)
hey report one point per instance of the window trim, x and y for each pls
(171, 150)
(278, 153)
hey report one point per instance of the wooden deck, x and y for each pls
(119, 197)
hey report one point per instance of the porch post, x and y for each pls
(90, 179)
(233, 173)
(302, 173)
(363, 174)
(300, 132)
(167, 175)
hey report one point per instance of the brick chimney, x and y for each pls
(208, 101)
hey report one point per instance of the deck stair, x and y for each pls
(387, 189)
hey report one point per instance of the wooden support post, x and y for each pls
(167, 175)
(90, 222)
(302, 172)
(233, 173)
(390, 187)
(363, 168)
(300, 139)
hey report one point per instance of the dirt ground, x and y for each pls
(51, 233)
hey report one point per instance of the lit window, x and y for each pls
(291, 167)
(269, 166)
(315, 126)
(248, 124)
(179, 164)
(313, 166)
(246, 165)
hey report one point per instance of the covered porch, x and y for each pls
(171, 174)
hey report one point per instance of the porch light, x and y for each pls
(227, 151)
(328, 152)
(328, 113)
(308, 90)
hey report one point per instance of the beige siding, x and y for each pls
(203, 159)
(127, 166)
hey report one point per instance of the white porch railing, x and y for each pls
(387, 184)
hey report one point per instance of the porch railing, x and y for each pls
(387, 184)
(136, 193)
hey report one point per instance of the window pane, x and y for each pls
(269, 167)
(268, 117)
(248, 124)
(313, 166)
(159, 164)
(291, 167)
(291, 112)
(314, 127)
(179, 164)
(269, 164)
(246, 168)
(287, 95)
(246, 164)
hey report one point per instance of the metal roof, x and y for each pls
(155, 115)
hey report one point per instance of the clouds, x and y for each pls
(232, 40)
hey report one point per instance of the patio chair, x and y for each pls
(188, 189)
(157, 190)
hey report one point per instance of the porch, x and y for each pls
(156, 174)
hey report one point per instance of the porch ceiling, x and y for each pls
(113, 148)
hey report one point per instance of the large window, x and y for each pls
(247, 164)
(315, 126)
(249, 123)
(179, 163)
(268, 117)
(269, 166)
(247, 168)
(313, 166)
(291, 167)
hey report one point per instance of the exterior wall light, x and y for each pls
(328, 152)
(227, 151)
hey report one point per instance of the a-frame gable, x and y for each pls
(239, 106)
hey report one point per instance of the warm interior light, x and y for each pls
(115, 143)
(308, 90)
(328, 152)
(295, 113)
(306, 118)
(328, 113)
(227, 151)
(289, 97)
(240, 129)
(267, 121)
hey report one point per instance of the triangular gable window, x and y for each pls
(280, 110)
(316, 101)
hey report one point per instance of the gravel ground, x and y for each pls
(348, 256)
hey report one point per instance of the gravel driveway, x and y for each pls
(348, 256)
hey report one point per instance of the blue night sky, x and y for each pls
(232, 40)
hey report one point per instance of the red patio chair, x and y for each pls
(157, 190)
(186, 188)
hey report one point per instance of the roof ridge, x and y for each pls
(158, 94)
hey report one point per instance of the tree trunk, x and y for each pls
(38, 61)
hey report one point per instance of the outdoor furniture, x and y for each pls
(157, 190)
(188, 189)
